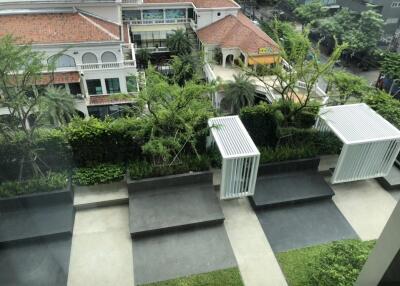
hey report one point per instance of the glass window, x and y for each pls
(112, 85)
(154, 14)
(75, 88)
(89, 58)
(175, 13)
(108, 57)
(94, 86)
(65, 61)
(131, 84)
(131, 15)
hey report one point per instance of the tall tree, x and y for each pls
(20, 72)
(390, 65)
(310, 12)
(239, 93)
(179, 42)
(186, 68)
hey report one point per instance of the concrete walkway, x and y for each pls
(257, 263)
(366, 206)
(101, 252)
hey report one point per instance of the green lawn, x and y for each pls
(226, 277)
(295, 264)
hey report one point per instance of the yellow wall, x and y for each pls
(270, 59)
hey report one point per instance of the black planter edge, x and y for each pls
(289, 166)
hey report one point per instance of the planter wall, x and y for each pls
(289, 166)
(169, 181)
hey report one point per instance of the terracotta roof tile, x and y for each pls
(58, 28)
(199, 3)
(107, 100)
(236, 32)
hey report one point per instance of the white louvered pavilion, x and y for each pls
(370, 142)
(240, 157)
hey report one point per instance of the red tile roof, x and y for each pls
(58, 28)
(107, 100)
(198, 3)
(236, 32)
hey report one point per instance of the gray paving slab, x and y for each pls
(181, 253)
(396, 194)
(304, 225)
(290, 187)
(164, 209)
(24, 222)
(42, 262)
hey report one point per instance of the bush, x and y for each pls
(285, 153)
(340, 263)
(48, 183)
(99, 174)
(385, 105)
(53, 151)
(144, 169)
(261, 124)
(95, 141)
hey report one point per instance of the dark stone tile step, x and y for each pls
(289, 188)
(181, 253)
(167, 209)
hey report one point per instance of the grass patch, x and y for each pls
(228, 277)
(298, 264)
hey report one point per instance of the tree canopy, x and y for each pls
(390, 65)
(179, 42)
(310, 12)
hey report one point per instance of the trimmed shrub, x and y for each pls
(261, 124)
(99, 174)
(48, 183)
(285, 153)
(340, 263)
(95, 141)
(144, 169)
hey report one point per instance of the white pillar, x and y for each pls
(103, 85)
(384, 252)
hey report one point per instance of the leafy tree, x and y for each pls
(305, 67)
(179, 42)
(20, 71)
(390, 65)
(239, 93)
(176, 118)
(344, 85)
(310, 12)
(143, 56)
(186, 68)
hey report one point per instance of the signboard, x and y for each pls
(265, 51)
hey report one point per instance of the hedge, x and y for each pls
(385, 105)
(48, 183)
(99, 174)
(95, 141)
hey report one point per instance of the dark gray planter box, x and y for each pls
(37, 215)
(289, 166)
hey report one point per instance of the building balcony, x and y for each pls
(193, 25)
(107, 66)
(158, 21)
(131, 1)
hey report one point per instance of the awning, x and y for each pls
(270, 59)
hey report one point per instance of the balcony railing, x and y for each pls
(132, 1)
(103, 66)
(193, 25)
(157, 21)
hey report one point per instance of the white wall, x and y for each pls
(206, 17)
(110, 13)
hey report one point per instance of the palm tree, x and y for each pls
(57, 106)
(179, 42)
(239, 93)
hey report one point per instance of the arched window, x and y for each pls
(108, 57)
(89, 58)
(65, 61)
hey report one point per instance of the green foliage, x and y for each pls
(218, 56)
(49, 182)
(95, 141)
(120, 96)
(285, 153)
(298, 264)
(345, 86)
(143, 57)
(228, 277)
(340, 263)
(385, 105)
(98, 174)
(179, 43)
(144, 169)
(261, 124)
(390, 65)
(177, 118)
(239, 93)
(310, 12)
(185, 68)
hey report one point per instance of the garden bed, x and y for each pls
(289, 166)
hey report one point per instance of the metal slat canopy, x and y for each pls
(240, 156)
(371, 143)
